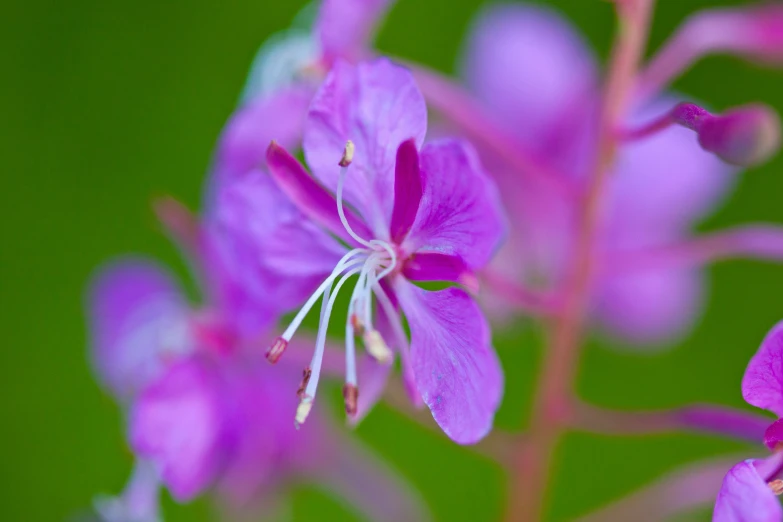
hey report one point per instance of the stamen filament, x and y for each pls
(312, 385)
(342, 265)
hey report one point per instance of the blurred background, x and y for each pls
(104, 105)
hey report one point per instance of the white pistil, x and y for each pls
(345, 162)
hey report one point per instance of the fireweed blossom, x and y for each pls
(535, 79)
(417, 213)
(207, 413)
(748, 493)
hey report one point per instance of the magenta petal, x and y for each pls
(265, 257)
(531, 69)
(456, 368)
(762, 385)
(309, 197)
(138, 318)
(407, 190)
(460, 212)
(178, 422)
(774, 434)
(432, 266)
(344, 27)
(377, 105)
(372, 378)
(745, 497)
(242, 147)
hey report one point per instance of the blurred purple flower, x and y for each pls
(422, 214)
(207, 412)
(749, 489)
(283, 79)
(538, 81)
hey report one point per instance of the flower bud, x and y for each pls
(744, 136)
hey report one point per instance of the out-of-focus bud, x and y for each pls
(754, 33)
(744, 136)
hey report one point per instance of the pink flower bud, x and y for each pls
(745, 136)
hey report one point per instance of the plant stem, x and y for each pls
(534, 458)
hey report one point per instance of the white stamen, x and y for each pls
(376, 260)
(318, 356)
(342, 265)
(377, 348)
(302, 411)
(393, 319)
(350, 347)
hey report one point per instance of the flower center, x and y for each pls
(371, 262)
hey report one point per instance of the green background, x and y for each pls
(104, 104)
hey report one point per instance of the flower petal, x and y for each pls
(309, 197)
(456, 368)
(377, 105)
(762, 385)
(774, 434)
(650, 308)
(431, 266)
(745, 497)
(407, 190)
(344, 27)
(531, 69)
(460, 212)
(242, 147)
(372, 377)
(264, 254)
(178, 422)
(138, 319)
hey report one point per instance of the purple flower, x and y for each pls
(537, 80)
(749, 489)
(206, 412)
(283, 80)
(404, 213)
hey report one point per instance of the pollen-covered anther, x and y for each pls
(776, 486)
(357, 324)
(276, 350)
(347, 154)
(351, 396)
(306, 373)
(303, 410)
(376, 347)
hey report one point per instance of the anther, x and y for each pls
(303, 410)
(376, 347)
(305, 379)
(351, 396)
(276, 350)
(776, 486)
(357, 324)
(347, 154)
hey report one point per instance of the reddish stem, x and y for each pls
(534, 457)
